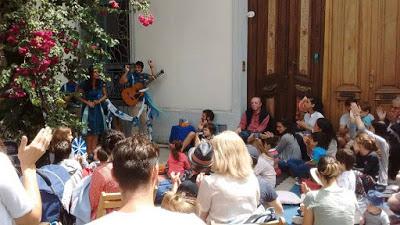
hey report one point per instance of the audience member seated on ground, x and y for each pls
(347, 128)
(20, 203)
(392, 137)
(367, 155)
(207, 117)
(347, 179)
(391, 117)
(331, 205)
(100, 158)
(314, 110)
(268, 196)
(60, 134)
(287, 146)
(200, 158)
(380, 142)
(366, 116)
(319, 142)
(180, 132)
(177, 161)
(255, 120)
(264, 169)
(62, 151)
(178, 201)
(135, 168)
(102, 179)
(209, 130)
(232, 192)
(394, 205)
(325, 126)
(374, 213)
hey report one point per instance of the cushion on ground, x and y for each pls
(287, 197)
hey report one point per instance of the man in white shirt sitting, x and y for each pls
(135, 168)
(20, 203)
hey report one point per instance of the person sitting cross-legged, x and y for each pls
(255, 120)
(135, 168)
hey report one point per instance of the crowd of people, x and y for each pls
(210, 176)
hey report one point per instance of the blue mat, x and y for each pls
(291, 210)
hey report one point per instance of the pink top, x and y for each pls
(254, 126)
(178, 166)
(102, 180)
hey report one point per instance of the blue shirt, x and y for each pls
(318, 153)
(135, 77)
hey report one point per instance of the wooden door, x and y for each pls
(362, 53)
(285, 52)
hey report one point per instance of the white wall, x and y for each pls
(200, 45)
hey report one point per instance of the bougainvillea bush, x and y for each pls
(44, 40)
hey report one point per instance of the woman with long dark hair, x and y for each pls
(94, 92)
(287, 146)
(314, 110)
(325, 126)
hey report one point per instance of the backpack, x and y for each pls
(51, 181)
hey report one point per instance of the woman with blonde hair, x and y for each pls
(331, 205)
(232, 192)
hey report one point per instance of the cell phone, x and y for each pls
(257, 135)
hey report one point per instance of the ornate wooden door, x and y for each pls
(363, 52)
(285, 49)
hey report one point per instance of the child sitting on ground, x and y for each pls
(178, 202)
(177, 160)
(374, 215)
(319, 143)
(366, 116)
(347, 179)
(264, 168)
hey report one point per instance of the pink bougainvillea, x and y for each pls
(146, 20)
(114, 4)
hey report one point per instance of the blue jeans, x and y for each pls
(298, 168)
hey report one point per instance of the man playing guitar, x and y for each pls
(129, 79)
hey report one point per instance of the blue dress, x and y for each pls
(95, 118)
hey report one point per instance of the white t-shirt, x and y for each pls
(265, 169)
(14, 202)
(311, 119)
(226, 199)
(153, 215)
(347, 180)
(384, 159)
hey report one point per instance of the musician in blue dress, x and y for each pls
(93, 92)
(129, 79)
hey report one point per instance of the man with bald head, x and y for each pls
(255, 120)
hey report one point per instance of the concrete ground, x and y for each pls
(164, 152)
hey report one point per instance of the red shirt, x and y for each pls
(178, 166)
(102, 180)
(255, 126)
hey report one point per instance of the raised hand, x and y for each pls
(381, 113)
(29, 154)
(150, 62)
(127, 68)
(176, 181)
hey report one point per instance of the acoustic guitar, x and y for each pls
(132, 95)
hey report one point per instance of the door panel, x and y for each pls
(285, 52)
(361, 52)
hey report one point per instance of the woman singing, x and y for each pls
(93, 94)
